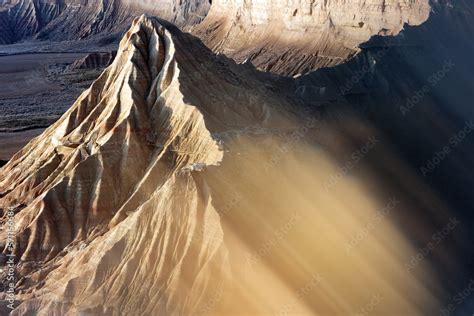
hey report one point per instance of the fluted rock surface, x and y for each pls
(112, 215)
(111, 168)
(292, 37)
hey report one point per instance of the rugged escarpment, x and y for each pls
(291, 37)
(72, 20)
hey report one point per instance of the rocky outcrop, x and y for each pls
(94, 61)
(293, 37)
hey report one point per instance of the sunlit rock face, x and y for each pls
(291, 37)
(76, 19)
(93, 184)
(182, 183)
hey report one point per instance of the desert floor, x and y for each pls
(10, 143)
(35, 91)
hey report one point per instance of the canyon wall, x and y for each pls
(291, 37)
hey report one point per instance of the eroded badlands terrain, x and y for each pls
(182, 182)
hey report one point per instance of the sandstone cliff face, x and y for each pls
(292, 37)
(74, 19)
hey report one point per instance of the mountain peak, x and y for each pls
(118, 172)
